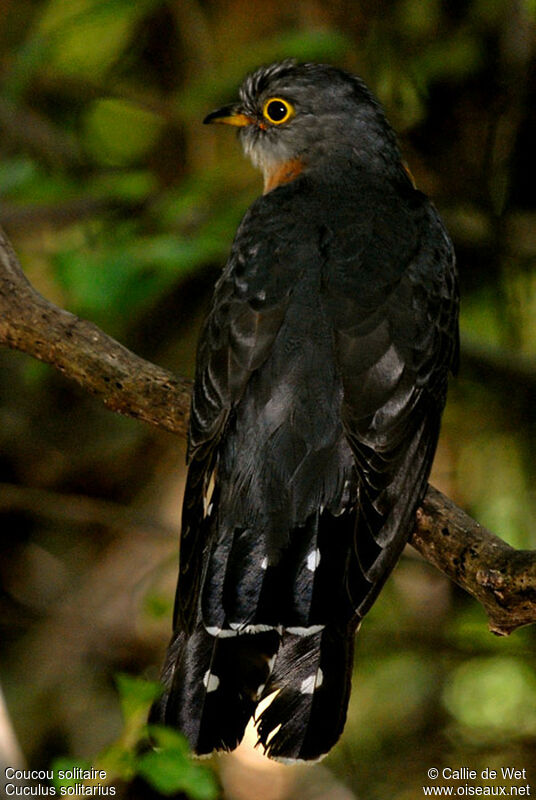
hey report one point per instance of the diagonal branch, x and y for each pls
(498, 576)
(124, 382)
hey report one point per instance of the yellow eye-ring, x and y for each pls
(276, 110)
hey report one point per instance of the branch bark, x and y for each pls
(501, 578)
(123, 381)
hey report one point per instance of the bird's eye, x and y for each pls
(276, 110)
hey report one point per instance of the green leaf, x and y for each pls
(136, 695)
(169, 769)
(119, 760)
(169, 739)
(67, 765)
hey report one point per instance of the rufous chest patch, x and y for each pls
(282, 173)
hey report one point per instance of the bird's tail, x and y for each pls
(280, 631)
(214, 684)
(312, 680)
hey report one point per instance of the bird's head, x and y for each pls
(294, 117)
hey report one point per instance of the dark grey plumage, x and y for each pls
(321, 378)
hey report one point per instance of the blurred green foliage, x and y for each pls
(169, 767)
(493, 697)
(122, 208)
(159, 755)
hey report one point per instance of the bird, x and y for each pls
(321, 376)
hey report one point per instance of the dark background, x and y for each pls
(122, 207)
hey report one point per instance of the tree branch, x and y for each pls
(123, 381)
(498, 576)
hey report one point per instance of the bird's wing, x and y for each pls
(248, 308)
(392, 300)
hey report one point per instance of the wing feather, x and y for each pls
(395, 338)
(248, 308)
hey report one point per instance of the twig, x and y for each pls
(501, 578)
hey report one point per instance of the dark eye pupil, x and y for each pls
(276, 110)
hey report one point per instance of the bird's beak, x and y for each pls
(228, 115)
